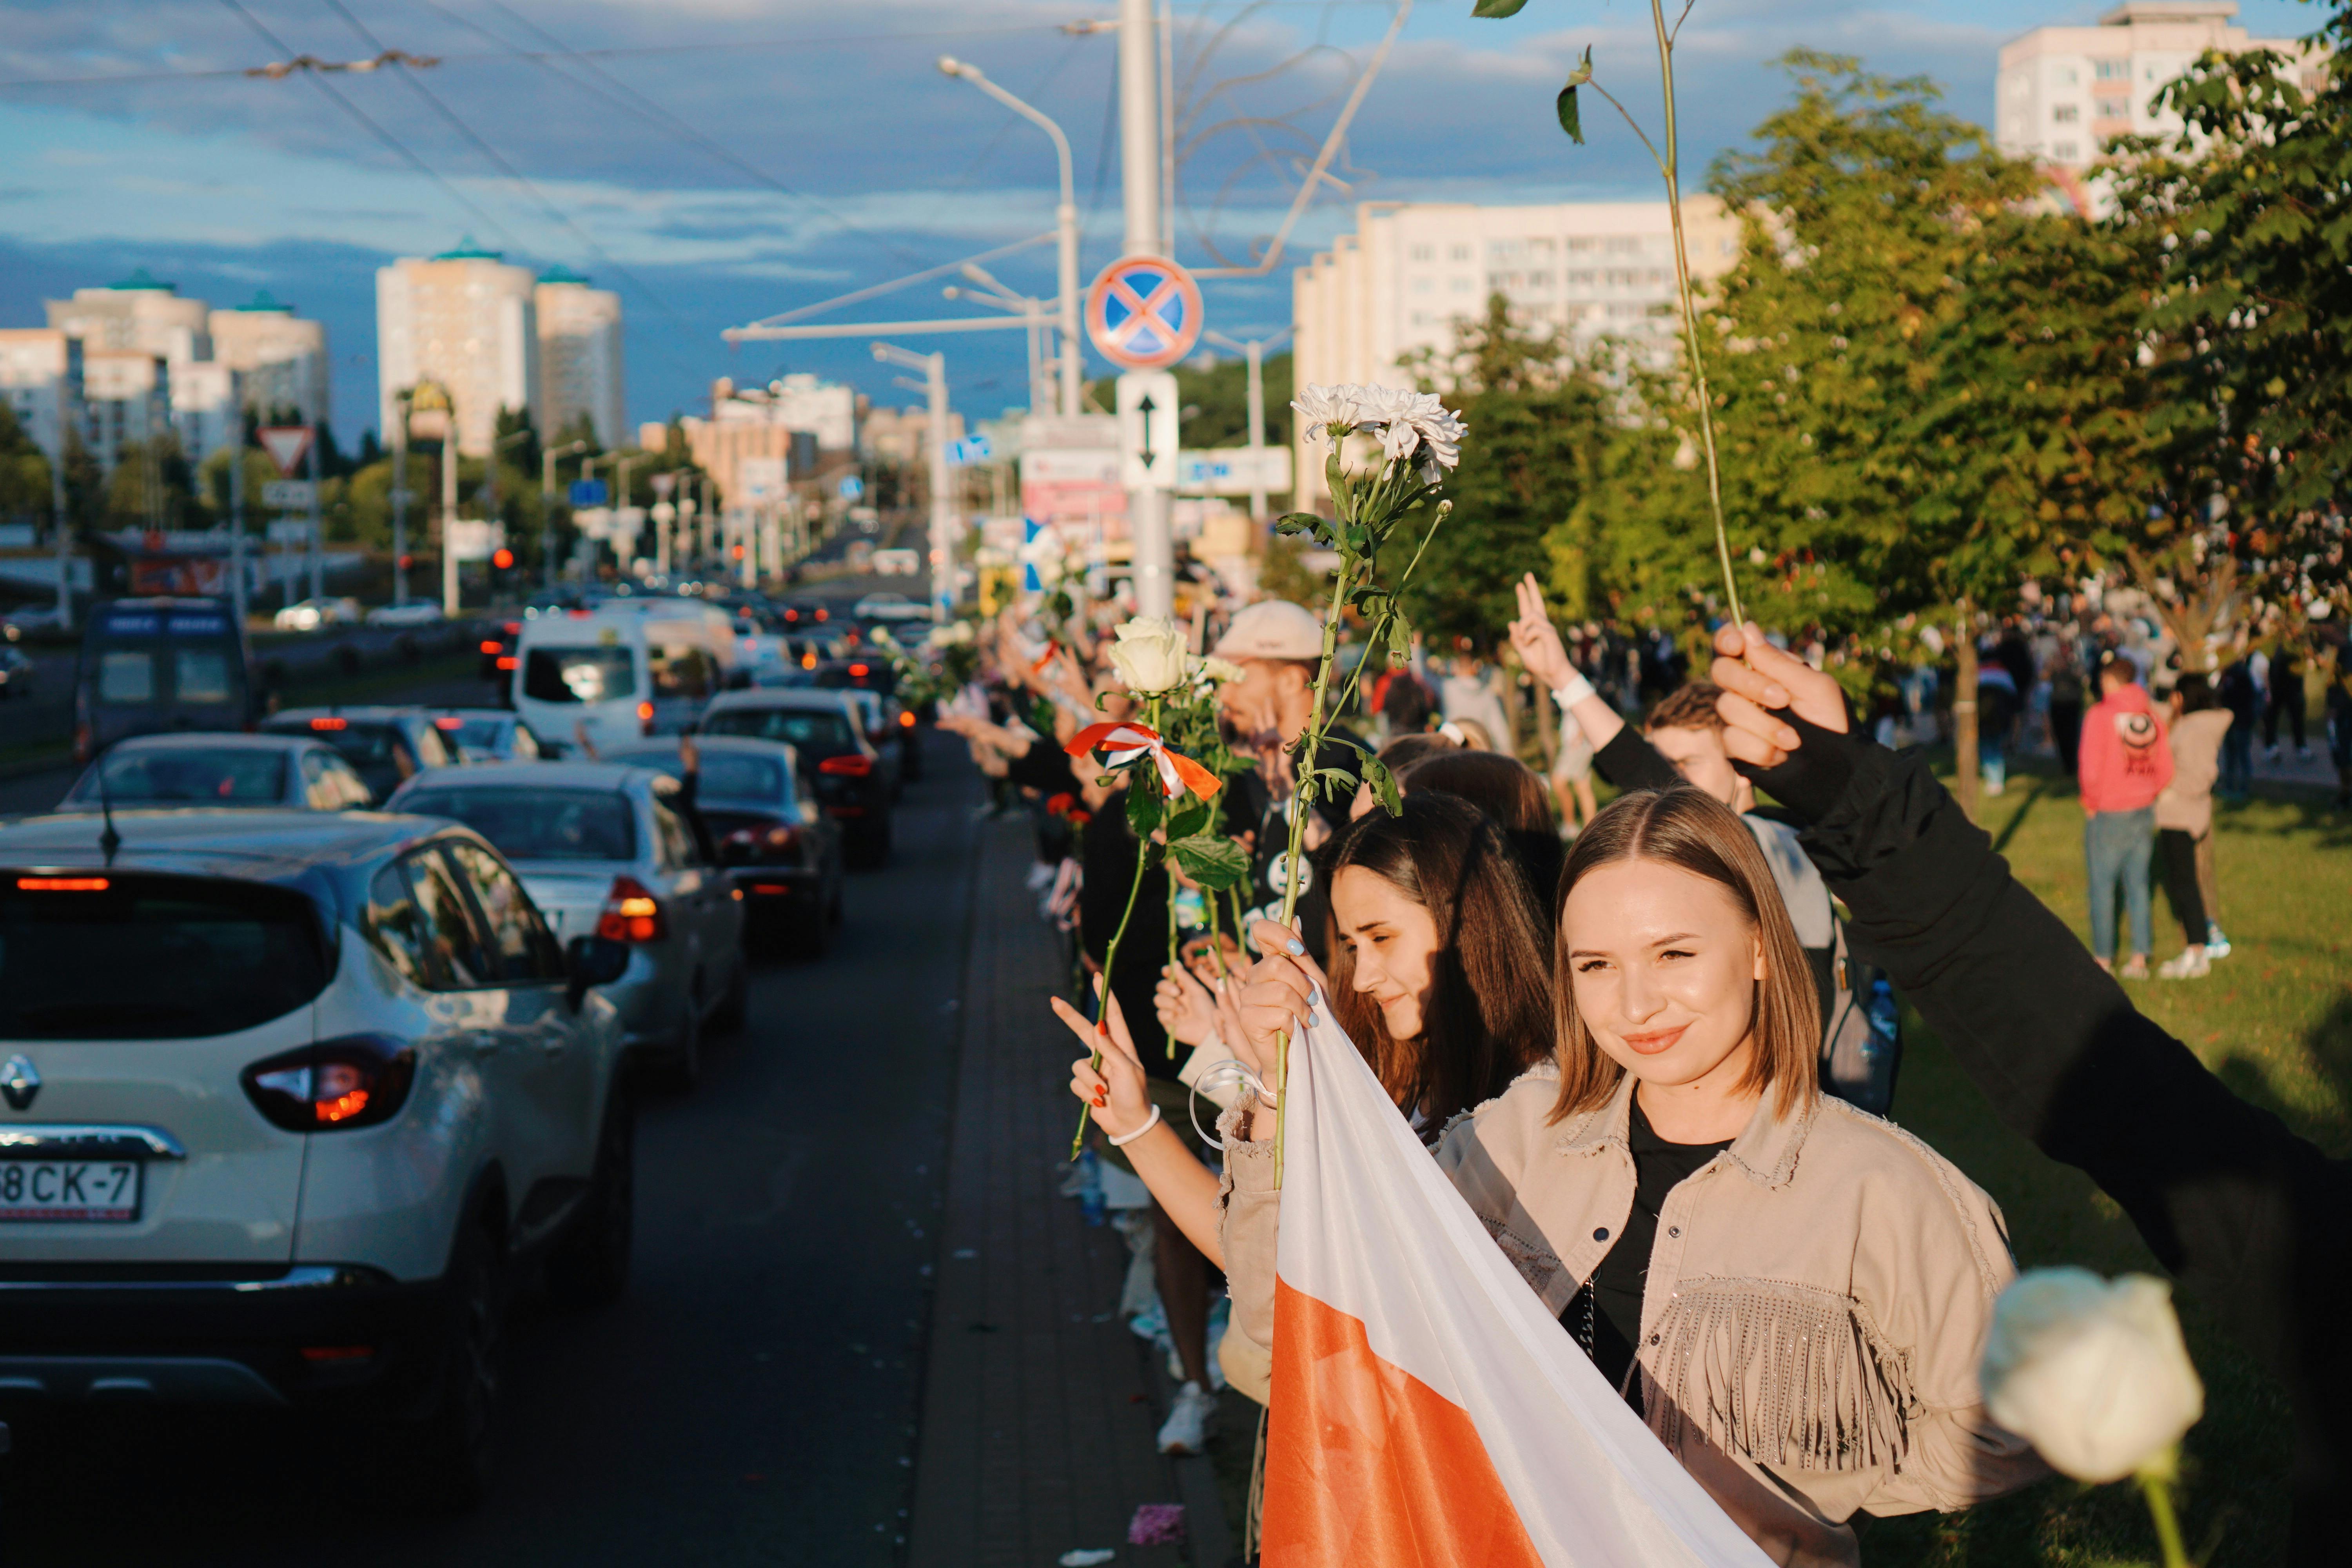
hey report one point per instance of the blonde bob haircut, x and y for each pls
(1692, 831)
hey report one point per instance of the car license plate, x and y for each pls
(84, 1189)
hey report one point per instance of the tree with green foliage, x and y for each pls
(1215, 399)
(1541, 422)
(25, 491)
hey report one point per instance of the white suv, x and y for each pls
(287, 1103)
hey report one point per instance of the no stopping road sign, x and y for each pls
(1143, 312)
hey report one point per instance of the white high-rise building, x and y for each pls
(1413, 270)
(137, 313)
(281, 360)
(40, 376)
(580, 356)
(2064, 91)
(126, 396)
(467, 319)
(208, 406)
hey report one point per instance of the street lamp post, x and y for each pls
(1254, 351)
(547, 505)
(1066, 225)
(934, 367)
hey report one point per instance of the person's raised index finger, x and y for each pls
(1737, 676)
(1740, 715)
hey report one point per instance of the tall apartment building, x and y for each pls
(40, 377)
(2064, 91)
(1411, 271)
(467, 319)
(280, 359)
(137, 313)
(208, 401)
(579, 355)
(126, 396)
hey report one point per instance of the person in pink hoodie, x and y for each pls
(2126, 761)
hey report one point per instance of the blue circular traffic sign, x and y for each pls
(1143, 312)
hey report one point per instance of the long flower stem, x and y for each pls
(1137, 778)
(1668, 166)
(2158, 1492)
(1302, 801)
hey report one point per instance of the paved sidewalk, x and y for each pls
(1040, 1409)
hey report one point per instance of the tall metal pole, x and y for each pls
(237, 519)
(1257, 428)
(450, 511)
(944, 508)
(318, 552)
(547, 517)
(65, 529)
(1140, 155)
(400, 502)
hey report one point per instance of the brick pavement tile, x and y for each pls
(1039, 1421)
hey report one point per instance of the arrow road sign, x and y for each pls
(286, 445)
(1143, 312)
(1148, 414)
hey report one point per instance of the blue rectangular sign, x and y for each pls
(588, 493)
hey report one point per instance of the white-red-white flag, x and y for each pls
(1426, 1410)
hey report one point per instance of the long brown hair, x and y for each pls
(1487, 1017)
(1691, 830)
(1504, 788)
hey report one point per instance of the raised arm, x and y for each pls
(2252, 1218)
(1624, 757)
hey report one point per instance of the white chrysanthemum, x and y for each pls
(1350, 408)
(1439, 428)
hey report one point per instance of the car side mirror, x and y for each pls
(594, 961)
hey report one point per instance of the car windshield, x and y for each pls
(536, 824)
(188, 775)
(481, 737)
(726, 775)
(815, 731)
(117, 956)
(579, 675)
(365, 745)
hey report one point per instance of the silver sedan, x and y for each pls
(609, 850)
(212, 770)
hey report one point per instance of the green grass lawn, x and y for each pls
(2274, 1021)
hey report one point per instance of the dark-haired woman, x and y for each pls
(1440, 976)
(1793, 1293)
(1510, 794)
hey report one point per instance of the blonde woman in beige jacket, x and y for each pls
(1794, 1293)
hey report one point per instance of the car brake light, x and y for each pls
(508, 661)
(62, 884)
(331, 723)
(808, 661)
(631, 913)
(514, 629)
(445, 723)
(491, 645)
(646, 717)
(860, 671)
(906, 718)
(850, 765)
(825, 614)
(357, 1080)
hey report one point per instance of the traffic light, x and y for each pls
(502, 559)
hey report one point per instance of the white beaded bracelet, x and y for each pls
(1149, 1123)
(1577, 690)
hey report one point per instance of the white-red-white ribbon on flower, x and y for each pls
(1123, 744)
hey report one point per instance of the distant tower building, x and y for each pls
(2064, 91)
(209, 404)
(126, 396)
(280, 358)
(137, 313)
(465, 319)
(580, 356)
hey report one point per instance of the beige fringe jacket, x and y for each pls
(1817, 1297)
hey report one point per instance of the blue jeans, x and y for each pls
(2118, 846)
(2238, 758)
(1992, 754)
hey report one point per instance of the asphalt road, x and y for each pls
(752, 1400)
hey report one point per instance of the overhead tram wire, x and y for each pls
(378, 131)
(647, 108)
(604, 257)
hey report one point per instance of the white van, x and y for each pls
(616, 673)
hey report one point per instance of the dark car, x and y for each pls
(498, 650)
(838, 762)
(880, 676)
(778, 848)
(386, 746)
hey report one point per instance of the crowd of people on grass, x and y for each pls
(1655, 1044)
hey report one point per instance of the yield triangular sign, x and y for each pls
(286, 445)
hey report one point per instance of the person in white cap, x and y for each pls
(1277, 645)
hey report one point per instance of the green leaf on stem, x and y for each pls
(1499, 9)
(1297, 523)
(1384, 784)
(1212, 861)
(1188, 819)
(1570, 121)
(1143, 805)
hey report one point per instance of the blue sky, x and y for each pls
(717, 161)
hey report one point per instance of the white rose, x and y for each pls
(2091, 1372)
(1150, 656)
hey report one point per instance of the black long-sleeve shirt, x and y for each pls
(2250, 1218)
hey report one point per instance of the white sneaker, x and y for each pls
(2216, 944)
(2191, 964)
(1186, 1430)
